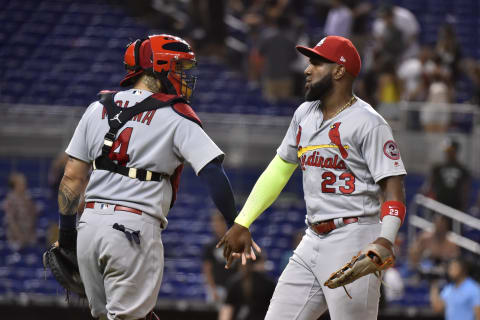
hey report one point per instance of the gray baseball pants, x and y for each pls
(122, 278)
(300, 293)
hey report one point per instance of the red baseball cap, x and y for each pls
(337, 49)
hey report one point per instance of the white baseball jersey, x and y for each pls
(158, 140)
(342, 159)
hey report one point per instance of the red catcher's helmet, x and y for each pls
(166, 57)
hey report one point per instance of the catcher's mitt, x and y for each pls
(64, 267)
(362, 264)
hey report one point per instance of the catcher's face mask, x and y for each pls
(183, 76)
(168, 58)
(174, 64)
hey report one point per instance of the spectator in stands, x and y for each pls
(405, 21)
(277, 47)
(20, 213)
(390, 43)
(360, 31)
(448, 49)
(471, 68)
(339, 20)
(249, 293)
(389, 85)
(209, 16)
(298, 66)
(253, 17)
(216, 276)
(413, 74)
(449, 181)
(435, 114)
(461, 298)
(433, 248)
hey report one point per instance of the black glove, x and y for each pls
(64, 266)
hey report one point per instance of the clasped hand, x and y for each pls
(237, 243)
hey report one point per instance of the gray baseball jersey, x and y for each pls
(342, 159)
(158, 140)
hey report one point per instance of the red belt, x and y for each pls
(91, 205)
(324, 227)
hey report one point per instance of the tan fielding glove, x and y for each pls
(374, 258)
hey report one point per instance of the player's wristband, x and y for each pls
(68, 222)
(67, 239)
(393, 208)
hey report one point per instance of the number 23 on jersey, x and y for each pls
(329, 178)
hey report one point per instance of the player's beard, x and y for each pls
(319, 89)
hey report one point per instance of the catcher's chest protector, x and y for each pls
(117, 117)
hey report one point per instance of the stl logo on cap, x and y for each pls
(321, 42)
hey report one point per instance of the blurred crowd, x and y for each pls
(258, 38)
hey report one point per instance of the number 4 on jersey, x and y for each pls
(121, 145)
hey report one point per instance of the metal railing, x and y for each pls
(458, 217)
(249, 140)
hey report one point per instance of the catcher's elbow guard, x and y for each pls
(393, 208)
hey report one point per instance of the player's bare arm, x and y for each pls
(71, 186)
(69, 192)
(393, 192)
(67, 200)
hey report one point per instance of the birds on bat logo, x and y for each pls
(334, 135)
(317, 159)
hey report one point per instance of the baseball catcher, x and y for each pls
(137, 142)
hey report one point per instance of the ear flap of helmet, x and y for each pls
(144, 56)
(138, 55)
(138, 58)
(130, 58)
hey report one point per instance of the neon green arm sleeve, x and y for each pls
(266, 190)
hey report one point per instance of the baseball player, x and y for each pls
(136, 141)
(352, 180)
